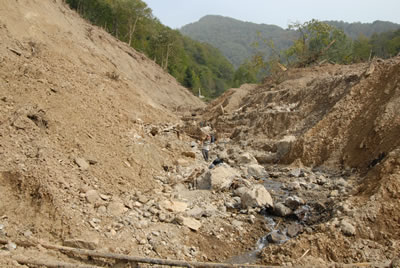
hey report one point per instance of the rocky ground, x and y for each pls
(101, 149)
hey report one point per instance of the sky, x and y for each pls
(177, 13)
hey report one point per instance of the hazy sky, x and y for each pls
(176, 13)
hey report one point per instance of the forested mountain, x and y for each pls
(194, 64)
(355, 29)
(236, 38)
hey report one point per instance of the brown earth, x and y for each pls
(329, 117)
(93, 147)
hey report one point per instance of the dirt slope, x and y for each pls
(75, 109)
(340, 118)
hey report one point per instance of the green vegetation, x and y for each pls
(254, 49)
(297, 44)
(321, 42)
(318, 41)
(193, 64)
(235, 38)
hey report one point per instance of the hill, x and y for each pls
(100, 151)
(194, 64)
(355, 29)
(330, 117)
(235, 38)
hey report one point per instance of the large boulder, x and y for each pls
(282, 210)
(257, 171)
(219, 178)
(247, 158)
(257, 196)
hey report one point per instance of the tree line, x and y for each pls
(319, 42)
(195, 65)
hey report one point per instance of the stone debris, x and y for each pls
(92, 196)
(297, 173)
(247, 158)
(347, 228)
(257, 196)
(219, 178)
(276, 238)
(257, 171)
(294, 229)
(293, 202)
(174, 205)
(282, 210)
(191, 223)
(82, 163)
(116, 208)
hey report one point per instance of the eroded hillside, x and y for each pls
(341, 119)
(95, 155)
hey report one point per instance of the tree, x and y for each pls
(246, 73)
(192, 63)
(362, 49)
(318, 41)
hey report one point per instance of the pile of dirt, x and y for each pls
(333, 118)
(341, 116)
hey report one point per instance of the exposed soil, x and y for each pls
(100, 150)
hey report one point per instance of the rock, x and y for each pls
(276, 238)
(91, 244)
(294, 229)
(11, 246)
(28, 233)
(174, 206)
(105, 197)
(192, 224)
(296, 173)
(82, 163)
(293, 202)
(268, 158)
(334, 193)
(321, 180)
(293, 186)
(189, 154)
(252, 219)
(257, 196)
(347, 228)
(219, 178)
(247, 158)
(196, 213)
(116, 208)
(92, 196)
(162, 217)
(193, 144)
(257, 171)
(102, 210)
(237, 224)
(302, 212)
(282, 210)
(182, 162)
(341, 182)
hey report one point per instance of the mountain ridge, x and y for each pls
(237, 43)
